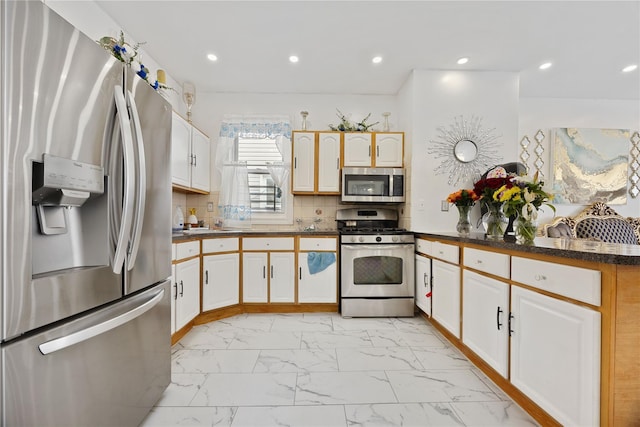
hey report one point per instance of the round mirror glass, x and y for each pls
(465, 150)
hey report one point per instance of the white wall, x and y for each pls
(439, 97)
(548, 113)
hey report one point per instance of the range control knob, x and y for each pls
(378, 239)
(394, 238)
(361, 239)
(353, 239)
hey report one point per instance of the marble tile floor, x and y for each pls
(320, 369)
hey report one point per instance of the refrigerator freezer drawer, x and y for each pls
(106, 368)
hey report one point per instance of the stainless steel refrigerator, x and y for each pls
(85, 229)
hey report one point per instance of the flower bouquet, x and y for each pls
(523, 198)
(464, 201)
(494, 221)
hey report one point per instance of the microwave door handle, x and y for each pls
(141, 180)
(128, 188)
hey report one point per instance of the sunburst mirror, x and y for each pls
(465, 149)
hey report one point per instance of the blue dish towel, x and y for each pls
(318, 261)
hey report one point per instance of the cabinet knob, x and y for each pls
(479, 261)
(540, 277)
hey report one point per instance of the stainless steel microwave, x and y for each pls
(374, 185)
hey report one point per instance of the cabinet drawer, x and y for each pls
(267, 244)
(572, 282)
(424, 246)
(489, 262)
(445, 252)
(316, 244)
(187, 249)
(225, 244)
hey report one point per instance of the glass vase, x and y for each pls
(463, 227)
(494, 221)
(525, 230)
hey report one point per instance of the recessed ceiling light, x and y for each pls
(294, 59)
(463, 61)
(212, 57)
(545, 65)
(629, 68)
(376, 59)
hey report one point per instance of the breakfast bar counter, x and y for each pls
(555, 324)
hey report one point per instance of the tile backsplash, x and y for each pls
(308, 209)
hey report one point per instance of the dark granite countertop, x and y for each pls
(588, 250)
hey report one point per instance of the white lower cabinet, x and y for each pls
(423, 284)
(254, 277)
(555, 356)
(282, 277)
(320, 287)
(445, 304)
(186, 291)
(268, 276)
(485, 314)
(220, 281)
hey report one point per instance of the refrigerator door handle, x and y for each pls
(100, 328)
(128, 189)
(141, 179)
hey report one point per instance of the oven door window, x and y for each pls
(377, 270)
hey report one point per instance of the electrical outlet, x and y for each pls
(444, 206)
(210, 207)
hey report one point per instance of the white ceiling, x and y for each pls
(589, 42)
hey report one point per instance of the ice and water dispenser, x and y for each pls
(69, 215)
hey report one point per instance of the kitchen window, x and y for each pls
(254, 158)
(262, 154)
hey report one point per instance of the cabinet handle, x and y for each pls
(206, 277)
(479, 261)
(441, 253)
(540, 277)
(300, 273)
(424, 279)
(498, 317)
(175, 285)
(377, 151)
(295, 163)
(369, 151)
(195, 160)
(272, 271)
(264, 271)
(510, 330)
(181, 288)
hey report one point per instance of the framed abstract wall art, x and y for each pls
(590, 165)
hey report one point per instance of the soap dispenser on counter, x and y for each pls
(192, 220)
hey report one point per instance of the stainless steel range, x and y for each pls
(377, 264)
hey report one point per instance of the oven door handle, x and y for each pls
(377, 246)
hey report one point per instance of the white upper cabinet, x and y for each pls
(316, 163)
(389, 149)
(376, 149)
(328, 162)
(357, 149)
(201, 160)
(190, 156)
(303, 176)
